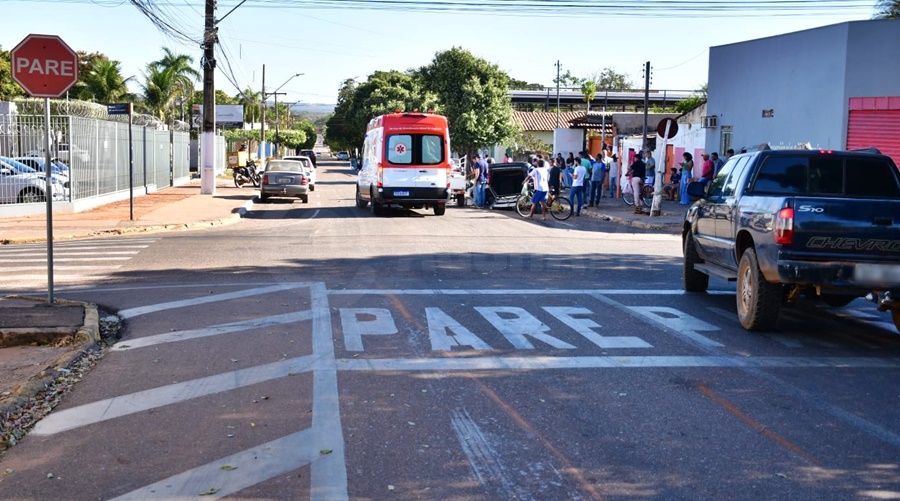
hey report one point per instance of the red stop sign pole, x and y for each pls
(45, 67)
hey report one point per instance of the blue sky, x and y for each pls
(330, 45)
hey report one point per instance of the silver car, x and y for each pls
(284, 178)
(310, 168)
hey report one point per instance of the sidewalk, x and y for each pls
(178, 207)
(670, 220)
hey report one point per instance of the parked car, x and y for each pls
(22, 184)
(343, 155)
(64, 152)
(504, 184)
(310, 154)
(37, 163)
(284, 178)
(793, 223)
(310, 166)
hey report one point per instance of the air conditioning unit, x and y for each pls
(710, 122)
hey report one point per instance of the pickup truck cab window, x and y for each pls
(782, 175)
(872, 178)
(731, 184)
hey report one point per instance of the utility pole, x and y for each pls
(557, 93)
(262, 124)
(646, 102)
(276, 140)
(208, 136)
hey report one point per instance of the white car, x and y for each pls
(309, 166)
(22, 184)
(343, 155)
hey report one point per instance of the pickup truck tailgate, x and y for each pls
(837, 229)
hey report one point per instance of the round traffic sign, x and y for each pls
(44, 65)
(661, 128)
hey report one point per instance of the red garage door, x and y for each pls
(875, 122)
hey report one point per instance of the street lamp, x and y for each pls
(277, 144)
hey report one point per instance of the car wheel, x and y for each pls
(440, 209)
(461, 200)
(304, 199)
(312, 187)
(758, 301)
(376, 207)
(360, 202)
(263, 197)
(31, 195)
(489, 200)
(694, 281)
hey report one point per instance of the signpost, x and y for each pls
(127, 109)
(667, 128)
(45, 67)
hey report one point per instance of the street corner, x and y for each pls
(44, 350)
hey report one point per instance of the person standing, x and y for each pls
(717, 162)
(579, 175)
(479, 171)
(637, 171)
(541, 177)
(597, 176)
(650, 164)
(554, 181)
(706, 171)
(567, 173)
(687, 169)
(613, 175)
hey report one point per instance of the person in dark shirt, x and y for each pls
(555, 180)
(637, 171)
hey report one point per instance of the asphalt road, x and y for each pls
(314, 351)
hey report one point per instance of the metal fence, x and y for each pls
(96, 152)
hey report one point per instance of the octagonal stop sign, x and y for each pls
(44, 65)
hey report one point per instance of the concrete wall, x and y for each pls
(800, 76)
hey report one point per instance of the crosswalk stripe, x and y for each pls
(56, 259)
(61, 268)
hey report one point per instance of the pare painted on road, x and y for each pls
(517, 327)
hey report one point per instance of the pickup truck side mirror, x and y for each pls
(697, 190)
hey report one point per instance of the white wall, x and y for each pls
(566, 140)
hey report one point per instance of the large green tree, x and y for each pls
(8, 87)
(887, 9)
(473, 95)
(339, 134)
(609, 79)
(386, 92)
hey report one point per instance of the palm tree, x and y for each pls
(887, 9)
(589, 89)
(160, 88)
(183, 73)
(103, 83)
(252, 108)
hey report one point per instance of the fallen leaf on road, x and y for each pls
(325, 451)
(210, 492)
(782, 475)
(227, 467)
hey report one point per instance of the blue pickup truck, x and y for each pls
(792, 223)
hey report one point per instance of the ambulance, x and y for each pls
(405, 163)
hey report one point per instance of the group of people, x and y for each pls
(688, 173)
(583, 175)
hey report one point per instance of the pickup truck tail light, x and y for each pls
(784, 226)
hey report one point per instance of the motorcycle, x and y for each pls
(244, 174)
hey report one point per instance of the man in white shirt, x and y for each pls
(578, 179)
(541, 176)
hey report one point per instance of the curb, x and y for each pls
(86, 338)
(233, 218)
(632, 223)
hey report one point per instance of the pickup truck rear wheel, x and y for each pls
(694, 281)
(439, 210)
(758, 301)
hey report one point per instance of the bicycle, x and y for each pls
(647, 198)
(557, 205)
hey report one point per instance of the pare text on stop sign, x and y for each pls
(45, 67)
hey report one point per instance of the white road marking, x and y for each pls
(445, 332)
(66, 253)
(515, 292)
(517, 325)
(328, 479)
(607, 362)
(586, 326)
(354, 328)
(684, 325)
(170, 337)
(58, 268)
(124, 405)
(143, 310)
(251, 467)
(482, 456)
(62, 259)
